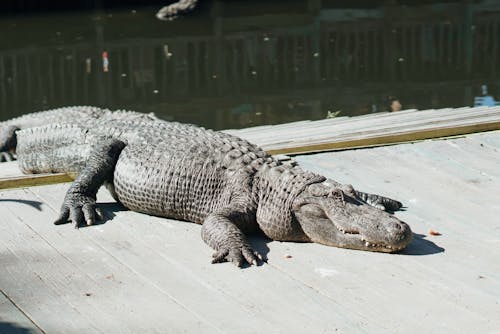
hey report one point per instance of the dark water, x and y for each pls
(232, 64)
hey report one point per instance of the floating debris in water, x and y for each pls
(333, 114)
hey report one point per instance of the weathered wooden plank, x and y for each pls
(12, 319)
(33, 180)
(407, 121)
(470, 241)
(10, 169)
(360, 129)
(449, 283)
(369, 133)
(171, 255)
(64, 274)
(387, 139)
(457, 277)
(487, 140)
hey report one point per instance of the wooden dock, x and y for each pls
(371, 129)
(340, 133)
(137, 273)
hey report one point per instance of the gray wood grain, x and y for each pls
(13, 320)
(138, 273)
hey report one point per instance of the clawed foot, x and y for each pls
(80, 210)
(237, 255)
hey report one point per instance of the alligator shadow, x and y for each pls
(37, 205)
(108, 210)
(10, 328)
(259, 243)
(421, 246)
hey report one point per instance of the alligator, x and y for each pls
(175, 9)
(228, 185)
(8, 129)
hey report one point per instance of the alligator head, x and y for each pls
(333, 216)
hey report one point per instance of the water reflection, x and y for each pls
(236, 64)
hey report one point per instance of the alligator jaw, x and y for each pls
(384, 233)
(350, 224)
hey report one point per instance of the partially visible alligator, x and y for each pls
(171, 11)
(8, 129)
(227, 184)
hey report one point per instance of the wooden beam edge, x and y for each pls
(35, 180)
(392, 139)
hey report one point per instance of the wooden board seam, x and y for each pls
(22, 311)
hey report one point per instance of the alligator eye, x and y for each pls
(338, 195)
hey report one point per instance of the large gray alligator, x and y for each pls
(180, 171)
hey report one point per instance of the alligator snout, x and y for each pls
(343, 221)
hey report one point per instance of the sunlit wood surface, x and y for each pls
(140, 274)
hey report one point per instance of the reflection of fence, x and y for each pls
(319, 54)
(413, 51)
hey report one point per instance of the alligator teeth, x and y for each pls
(369, 244)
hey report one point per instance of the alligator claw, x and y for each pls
(63, 216)
(79, 209)
(237, 255)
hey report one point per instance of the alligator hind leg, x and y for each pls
(220, 233)
(79, 205)
(8, 143)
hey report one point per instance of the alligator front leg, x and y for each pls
(79, 205)
(220, 233)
